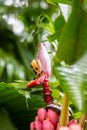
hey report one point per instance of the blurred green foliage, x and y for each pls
(22, 25)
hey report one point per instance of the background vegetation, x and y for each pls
(23, 25)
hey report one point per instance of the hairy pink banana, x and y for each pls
(32, 126)
(53, 117)
(75, 127)
(47, 125)
(37, 125)
(63, 128)
(37, 118)
(72, 122)
(41, 114)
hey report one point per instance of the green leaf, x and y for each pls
(56, 95)
(21, 108)
(73, 80)
(85, 1)
(5, 121)
(59, 24)
(46, 23)
(77, 115)
(73, 41)
(81, 45)
(54, 2)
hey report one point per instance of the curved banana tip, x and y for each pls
(33, 83)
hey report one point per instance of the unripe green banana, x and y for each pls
(68, 40)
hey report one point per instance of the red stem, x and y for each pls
(47, 92)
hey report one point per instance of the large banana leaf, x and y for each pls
(73, 50)
(21, 110)
(73, 80)
(73, 41)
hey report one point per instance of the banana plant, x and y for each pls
(69, 64)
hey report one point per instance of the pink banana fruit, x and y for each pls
(47, 125)
(37, 125)
(41, 114)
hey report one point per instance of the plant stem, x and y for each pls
(64, 112)
(82, 119)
